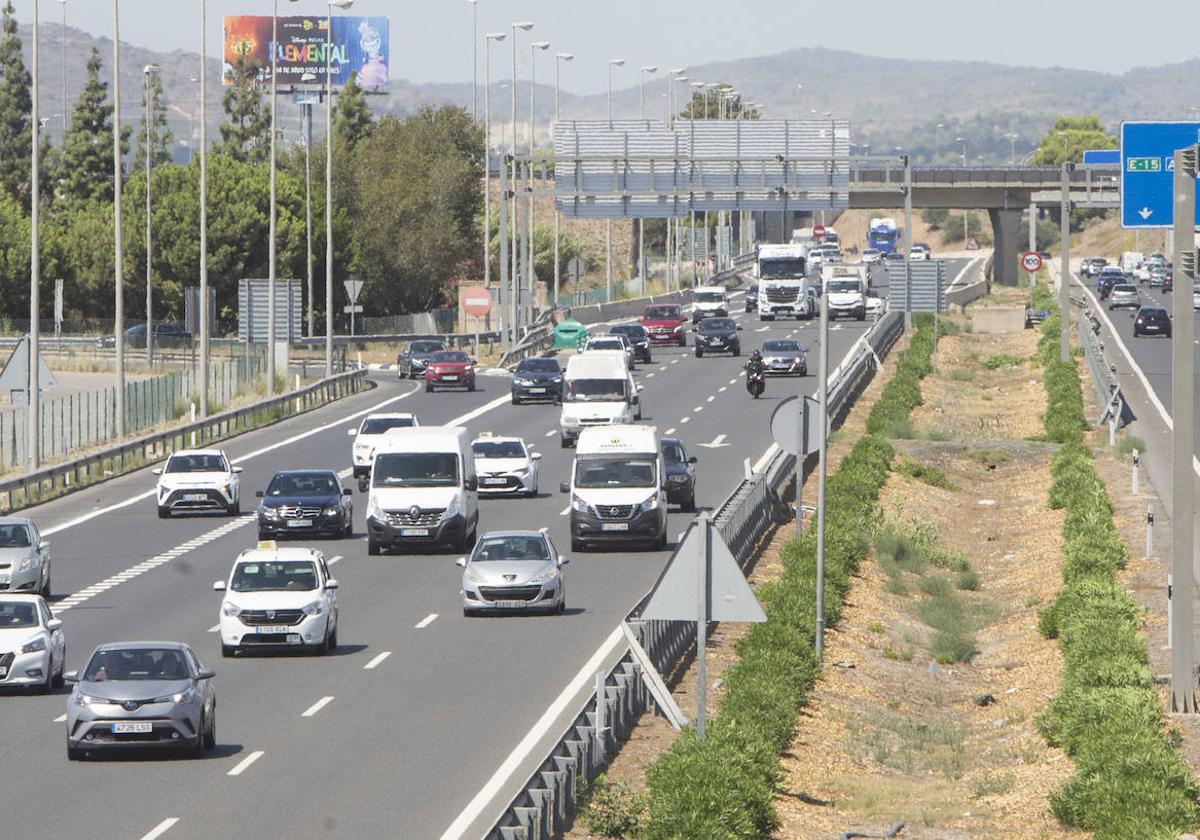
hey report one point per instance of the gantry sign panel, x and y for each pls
(648, 169)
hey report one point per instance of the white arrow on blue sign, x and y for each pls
(1147, 171)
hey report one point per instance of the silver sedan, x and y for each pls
(513, 571)
(24, 557)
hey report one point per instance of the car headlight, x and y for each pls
(227, 490)
(332, 511)
(651, 503)
(231, 609)
(556, 379)
(270, 512)
(35, 646)
(454, 508)
(470, 574)
(520, 380)
(678, 478)
(315, 608)
(521, 471)
(89, 700)
(26, 564)
(679, 328)
(579, 504)
(178, 697)
(550, 573)
(374, 511)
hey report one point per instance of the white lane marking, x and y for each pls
(733, 381)
(722, 389)
(565, 511)
(333, 559)
(550, 433)
(684, 420)
(61, 719)
(650, 375)
(697, 409)
(426, 621)
(316, 707)
(765, 457)
(710, 399)
(762, 329)
(216, 628)
(492, 787)
(149, 494)
(476, 412)
(674, 361)
(670, 431)
(374, 663)
(160, 829)
(240, 767)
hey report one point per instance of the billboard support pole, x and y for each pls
(271, 253)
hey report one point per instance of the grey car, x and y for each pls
(513, 571)
(784, 357)
(1123, 296)
(139, 695)
(24, 557)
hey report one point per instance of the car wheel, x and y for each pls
(699, 353)
(683, 341)
(428, 388)
(515, 401)
(565, 441)
(348, 531)
(561, 607)
(210, 733)
(228, 651)
(235, 509)
(331, 642)
(163, 513)
(58, 681)
(471, 386)
(661, 543)
(74, 753)
(46, 588)
(649, 359)
(689, 504)
(737, 350)
(578, 545)
(373, 548)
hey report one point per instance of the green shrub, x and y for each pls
(903, 393)
(999, 360)
(613, 809)
(1128, 443)
(967, 579)
(924, 473)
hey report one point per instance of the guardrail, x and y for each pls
(59, 479)
(550, 796)
(1103, 374)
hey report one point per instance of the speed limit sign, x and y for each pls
(1031, 261)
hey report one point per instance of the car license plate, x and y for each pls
(4, 578)
(509, 603)
(450, 377)
(299, 523)
(132, 728)
(614, 526)
(194, 497)
(537, 390)
(493, 482)
(271, 629)
(414, 532)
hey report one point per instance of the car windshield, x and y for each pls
(304, 484)
(512, 549)
(793, 267)
(450, 356)
(15, 614)
(710, 297)
(498, 449)
(622, 471)
(379, 425)
(539, 366)
(781, 345)
(660, 313)
(595, 390)
(136, 664)
(415, 469)
(844, 286)
(196, 464)
(631, 330)
(1153, 314)
(870, 252)
(1124, 289)
(673, 453)
(275, 575)
(605, 344)
(717, 325)
(426, 347)
(14, 536)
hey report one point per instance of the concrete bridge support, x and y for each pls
(1006, 229)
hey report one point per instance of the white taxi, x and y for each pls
(368, 434)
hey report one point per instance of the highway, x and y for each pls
(400, 729)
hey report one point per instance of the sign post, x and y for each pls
(353, 290)
(475, 301)
(575, 273)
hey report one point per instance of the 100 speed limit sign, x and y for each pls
(1031, 261)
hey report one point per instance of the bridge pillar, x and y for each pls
(1006, 226)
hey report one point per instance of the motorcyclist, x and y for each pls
(756, 374)
(756, 365)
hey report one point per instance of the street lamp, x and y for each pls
(612, 64)
(708, 88)
(63, 4)
(641, 268)
(529, 243)
(118, 250)
(649, 68)
(148, 147)
(202, 309)
(1012, 148)
(514, 279)
(33, 394)
(474, 59)
(799, 100)
(964, 149)
(559, 58)
(306, 108)
(272, 254)
(487, 155)
(332, 4)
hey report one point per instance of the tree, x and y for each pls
(1069, 138)
(709, 107)
(352, 119)
(16, 105)
(160, 133)
(86, 171)
(246, 137)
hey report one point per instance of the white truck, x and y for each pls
(782, 286)
(846, 291)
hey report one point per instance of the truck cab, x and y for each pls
(598, 390)
(781, 272)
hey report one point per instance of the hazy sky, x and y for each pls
(431, 39)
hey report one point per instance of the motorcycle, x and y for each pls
(756, 383)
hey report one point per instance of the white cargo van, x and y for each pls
(617, 488)
(709, 302)
(598, 390)
(846, 291)
(424, 491)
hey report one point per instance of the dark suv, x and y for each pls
(166, 335)
(1152, 320)
(718, 335)
(681, 474)
(411, 363)
(638, 337)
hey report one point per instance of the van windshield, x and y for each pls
(710, 297)
(621, 471)
(836, 286)
(595, 390)
(415, 469)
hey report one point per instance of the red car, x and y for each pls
(665, 323)
(450, 369)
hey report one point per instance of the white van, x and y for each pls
(598, 390)
(424, 490)
(617, 488)
(709, 302)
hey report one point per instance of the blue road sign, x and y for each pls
(1102, 157)
(1147, 171)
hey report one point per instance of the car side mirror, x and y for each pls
(331, 583)
(43, 545)
(564, 487)
(471, 484)
(692, 459)
(218, 586)
(71, 676)
(346, 491)
(351, 432)
(205, 674)
(739, 329)
(157, 470)
(536, 456)
(640, 388)
(54, 624)
(258, 494)
(461, 562)
(563, 559)
(236, 470)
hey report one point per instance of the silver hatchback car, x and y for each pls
(513, 571)
(138, 695)
(1123, 296)
(24, 557)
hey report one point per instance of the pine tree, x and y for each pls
(161, 135)
(352, 119)
(246, 137)
(87, 155)
(16, 105)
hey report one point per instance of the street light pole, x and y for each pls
(271, 249)
(612, 63)
(308, 261)
(641, 267)
(147, 72)
(203, 307)
(514, 216)
(487, 161)
(341, 4)
(529, 239)
(799, 101)
(559, 58)
(474, 59)
(118, 249)
(33, 395)
(63, 5)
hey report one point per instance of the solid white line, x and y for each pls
(483, 409)
(216, 628)
(333, 559)
(316, 707)
(241, 766)
(160, 829)
(426, 621)
(60, 719)
(374, 663)
(521, 752)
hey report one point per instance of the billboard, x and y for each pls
(359, 45)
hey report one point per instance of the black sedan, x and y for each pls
(637, 336)
(1152, 320)
(681, 474)
(537, 378)
(305, 502)
(166, 335)
(411, 363)
(718, 335)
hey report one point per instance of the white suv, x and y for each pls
(369, 433)
(198, 480)
(278, 598)
(505, 465)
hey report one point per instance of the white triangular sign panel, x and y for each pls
(15, 376)
(676, 596)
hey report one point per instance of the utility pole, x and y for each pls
(1064, 299)
(1183, 393)
(118, 250)
(612, 63)
(559, 58)
(487, 161)
(148, 71)
(271, 250)
(33, 394)
(308, 262)
(907, 242)
(823, 419)
(203, 307)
